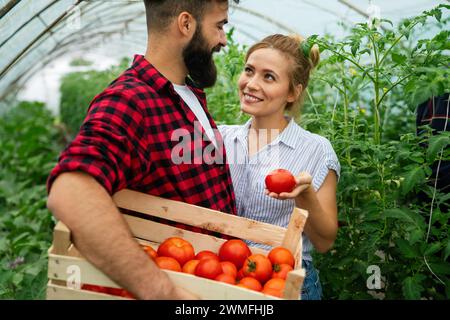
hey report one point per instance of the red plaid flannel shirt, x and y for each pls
(125, 142)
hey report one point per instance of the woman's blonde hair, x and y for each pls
(302, 64)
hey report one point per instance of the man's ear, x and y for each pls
(293, 96)
(186, 24)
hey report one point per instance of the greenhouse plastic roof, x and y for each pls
(35, 32)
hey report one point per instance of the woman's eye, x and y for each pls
(247, 70)
(270, 77)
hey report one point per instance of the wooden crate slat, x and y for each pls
(293, 236)
(216, 290)
(212, 220)
(58, 266)
(294, 281)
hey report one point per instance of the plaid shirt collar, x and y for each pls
(155, 79)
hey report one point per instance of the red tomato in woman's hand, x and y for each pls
(235, 251)
(280, 180)
(177, 248)
(280, 255)
(208, 268)
(258, 267)
(168, 263)
(206, 254)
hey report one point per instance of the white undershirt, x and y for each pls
(191, 100)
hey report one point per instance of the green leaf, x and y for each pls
(17, 279)
(441, 268)
(307, 44)
(411, 288)
(398, 58)
(436, 144)
(447, 250)
(354, 48)
(412, 178)
(33, 270)
(403, 214)
(437, 14)
(406, 249)
(415, 235)
(432, 248)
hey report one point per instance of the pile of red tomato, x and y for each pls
(233, 264)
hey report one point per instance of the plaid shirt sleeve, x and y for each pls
(109, 145)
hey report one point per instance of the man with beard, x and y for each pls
(126, 141)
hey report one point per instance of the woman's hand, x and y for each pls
(303, 185)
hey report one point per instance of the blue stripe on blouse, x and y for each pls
(296, 150)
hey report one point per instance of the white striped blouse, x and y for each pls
(296, 150)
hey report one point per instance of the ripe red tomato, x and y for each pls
(224, 277)
(275, 284)
(168, 263)
(250, 283)
(240, 274)
(189, 267)
(229, 268)
(281, 270)
(150, 251)
(208, 268)
(206, 254)
(274, 287)
(280, 180)
(177, 248)
(258, 267)
(235, 251)
(280, 255)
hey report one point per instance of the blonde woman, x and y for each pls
(271, 86)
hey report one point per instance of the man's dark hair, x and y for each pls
(161, 12)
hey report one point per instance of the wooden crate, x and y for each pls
(64, 257)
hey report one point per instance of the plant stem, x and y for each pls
(346, 125)
(376, 115)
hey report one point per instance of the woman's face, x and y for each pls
(264, 84)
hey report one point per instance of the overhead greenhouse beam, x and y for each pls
(53, 28)
(7, 7)
(28, 21)
(262, 16)
(45, 31)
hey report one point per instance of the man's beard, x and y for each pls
(199, 60)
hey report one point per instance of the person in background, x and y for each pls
(435, 112)
(273, 82)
